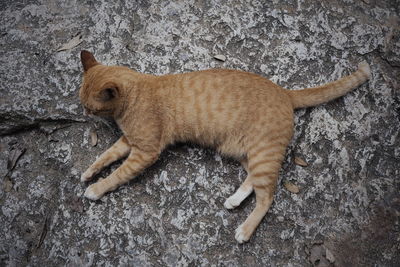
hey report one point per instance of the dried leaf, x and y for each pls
(301, 162)
(13, 158)
(292, 187)
(71, 43)
(7, 184)
(93, 137)
(220, 57)
(329, 255)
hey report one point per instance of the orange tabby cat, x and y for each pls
(241, 114)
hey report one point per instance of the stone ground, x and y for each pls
(347, 210)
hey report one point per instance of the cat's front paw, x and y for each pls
(87, 175)
(94, 191)
(243, 233)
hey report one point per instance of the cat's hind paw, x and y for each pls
(230, 203)
(237, 198)
(242, 234)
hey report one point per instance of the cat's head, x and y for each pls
(101, 89)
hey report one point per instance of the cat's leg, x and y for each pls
(264, 197)
(264, 163)
(117, 151)
(136, 162)
(243, 191)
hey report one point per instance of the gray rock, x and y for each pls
(173, 213)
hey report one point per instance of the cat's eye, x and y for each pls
(108, 94)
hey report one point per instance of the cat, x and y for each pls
(241, 114)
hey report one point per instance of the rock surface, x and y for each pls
(347, 210)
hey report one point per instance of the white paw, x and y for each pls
(87, 175)
(91, 194)
(230, 203)
(240, 235)
(237, 198)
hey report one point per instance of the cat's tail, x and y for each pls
(317, 95)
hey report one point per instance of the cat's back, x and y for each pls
(228, 79)
(228, 85)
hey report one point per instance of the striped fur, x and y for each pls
(241, 114)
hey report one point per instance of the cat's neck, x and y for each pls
(148, 94)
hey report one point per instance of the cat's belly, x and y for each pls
(224, 141)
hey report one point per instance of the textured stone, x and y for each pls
(173, 213)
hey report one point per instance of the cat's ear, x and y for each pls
(108, 94)
(88, 60)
